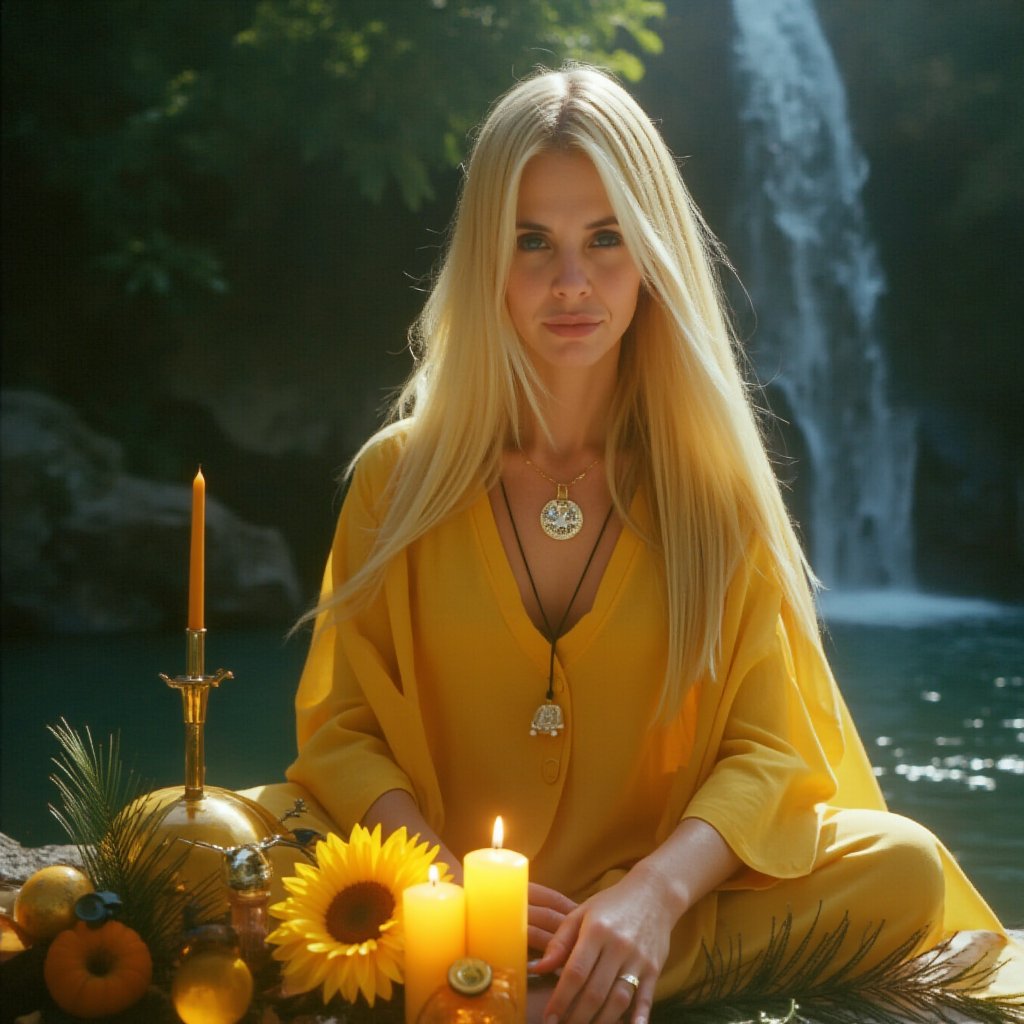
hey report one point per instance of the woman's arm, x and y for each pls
(396, 808)
(626, 928)
(349, 708)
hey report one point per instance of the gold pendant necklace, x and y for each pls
(561, 518)
(548, 717)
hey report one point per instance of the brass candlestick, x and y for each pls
(204, 816)
(195, 694)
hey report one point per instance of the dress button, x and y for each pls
(549, 770)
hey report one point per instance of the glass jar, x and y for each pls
(475, 994)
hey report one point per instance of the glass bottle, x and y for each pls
(475, 994)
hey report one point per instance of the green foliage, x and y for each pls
(809, 980)
(161, 122)
(156, 264)
(116, 833)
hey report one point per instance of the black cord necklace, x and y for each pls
(548, 718)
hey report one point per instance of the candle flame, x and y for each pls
(498, 834)
(434, 875)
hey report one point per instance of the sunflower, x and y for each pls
(342, 924)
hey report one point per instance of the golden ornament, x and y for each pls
(213, 984)
(216, 819)
(46, 903)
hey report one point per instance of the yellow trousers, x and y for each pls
(873, 869)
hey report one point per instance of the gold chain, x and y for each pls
(551, 479)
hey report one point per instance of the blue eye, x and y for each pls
(531, 243)
(607, 239)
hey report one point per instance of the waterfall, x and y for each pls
(814, 277)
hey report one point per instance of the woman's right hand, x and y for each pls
(548, 909)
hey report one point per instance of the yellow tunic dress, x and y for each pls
(432, 686)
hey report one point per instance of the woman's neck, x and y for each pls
(575, 410)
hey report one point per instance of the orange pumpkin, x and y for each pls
(96, 972)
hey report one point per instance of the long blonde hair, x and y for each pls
(682, 423)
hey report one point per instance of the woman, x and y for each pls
(564, 588)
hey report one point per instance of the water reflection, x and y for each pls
(976, 772)
(941, 709)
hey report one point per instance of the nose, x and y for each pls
(571, 279)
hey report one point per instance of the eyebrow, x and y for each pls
(604, 222)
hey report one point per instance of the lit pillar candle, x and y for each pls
(197, 555)
(496, 883)
(435, 936)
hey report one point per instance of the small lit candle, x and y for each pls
(197, 555)
(435, 936)
(496, 882)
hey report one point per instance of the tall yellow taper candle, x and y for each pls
(496, 882)
(197, 555)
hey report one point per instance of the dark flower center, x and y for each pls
(358, 911)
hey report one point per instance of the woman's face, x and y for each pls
(572, 290)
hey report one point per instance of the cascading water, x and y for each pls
(814, 277)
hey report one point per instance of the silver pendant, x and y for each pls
(547, 719)
(561, 518)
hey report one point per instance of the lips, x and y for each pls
(571, 320)
(572, 325)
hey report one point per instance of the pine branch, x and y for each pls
(810, 984)
(105, 813)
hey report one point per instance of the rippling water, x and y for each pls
(937, 689)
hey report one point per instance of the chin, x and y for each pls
(585, 357)
(583, 353)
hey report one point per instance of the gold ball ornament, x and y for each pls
(46, 903)
(213, 984)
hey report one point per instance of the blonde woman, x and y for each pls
(564, 589)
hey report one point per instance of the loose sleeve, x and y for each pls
(345, 758)
(768, 762)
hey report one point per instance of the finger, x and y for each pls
(643, 1000)
(587, 983)
(547, 910)
(604, 998)
(573, 983)
(538, 938)
(560, 945)
(542, 896)
(541, 928)
(545, 919)
(618, 1001)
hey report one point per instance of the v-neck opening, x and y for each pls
(510, 599)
